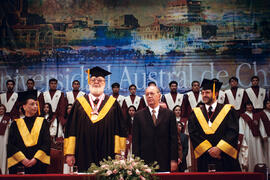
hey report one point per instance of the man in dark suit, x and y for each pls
(213, 130)
(155, 133)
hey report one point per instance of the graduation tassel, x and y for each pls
(38, 108)
(88, 72)
(214, 91)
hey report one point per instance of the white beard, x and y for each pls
(96, 91)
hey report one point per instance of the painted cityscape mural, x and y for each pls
(138, 41)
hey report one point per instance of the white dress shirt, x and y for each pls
(156, 109)
(94, 97)
(214, 105)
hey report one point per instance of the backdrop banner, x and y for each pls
(138, 41)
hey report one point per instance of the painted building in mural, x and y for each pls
(182, 11)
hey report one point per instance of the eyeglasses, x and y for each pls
(150, 94)
(99, 80)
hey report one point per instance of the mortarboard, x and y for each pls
(214, 85)
(97, 71)
(25, 95)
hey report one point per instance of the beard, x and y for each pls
(207, 100)
(97, 91)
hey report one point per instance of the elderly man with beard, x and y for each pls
(213, 130)
(95, 128)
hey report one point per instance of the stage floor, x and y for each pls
(163, 176)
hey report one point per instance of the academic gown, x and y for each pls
(265, 132)
(184, 142)
(251, 127)
(92, 140)
(187, 104)
(234, 92)
(5, 122)
(22, 144)
(257, 100)
(223, 134)
(155, 143)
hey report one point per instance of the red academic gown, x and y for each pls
(186, 107)
(61, 106)
(242, 107)
(14, 113)
(256, 91)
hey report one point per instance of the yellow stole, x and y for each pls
(87, 108)
(218, 120)
(30, 139)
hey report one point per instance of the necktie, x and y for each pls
(210, 112)
(154, 117)
(96, 101)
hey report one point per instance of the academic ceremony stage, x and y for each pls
(163, 176)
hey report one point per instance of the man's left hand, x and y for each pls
(173, 166)
(215, 152)
(32, 162)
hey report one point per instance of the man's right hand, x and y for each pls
(214, 152)
(25, 162)
(70, 159)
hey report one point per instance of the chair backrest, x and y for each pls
(262, 168)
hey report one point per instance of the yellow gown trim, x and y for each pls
(88, 109)
(227, 148)
(15, 159)
(30, 139)
(69, 145)
(201, 148)
(42, 156)
(119, 144)
(218, 120)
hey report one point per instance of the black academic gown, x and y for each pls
(225, 137)
(18, 149)
(155, 143)
(90, 141)
(184, 141)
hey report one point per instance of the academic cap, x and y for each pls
(214, 85)
(211, 84)
(98, 71)
(25, 95)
